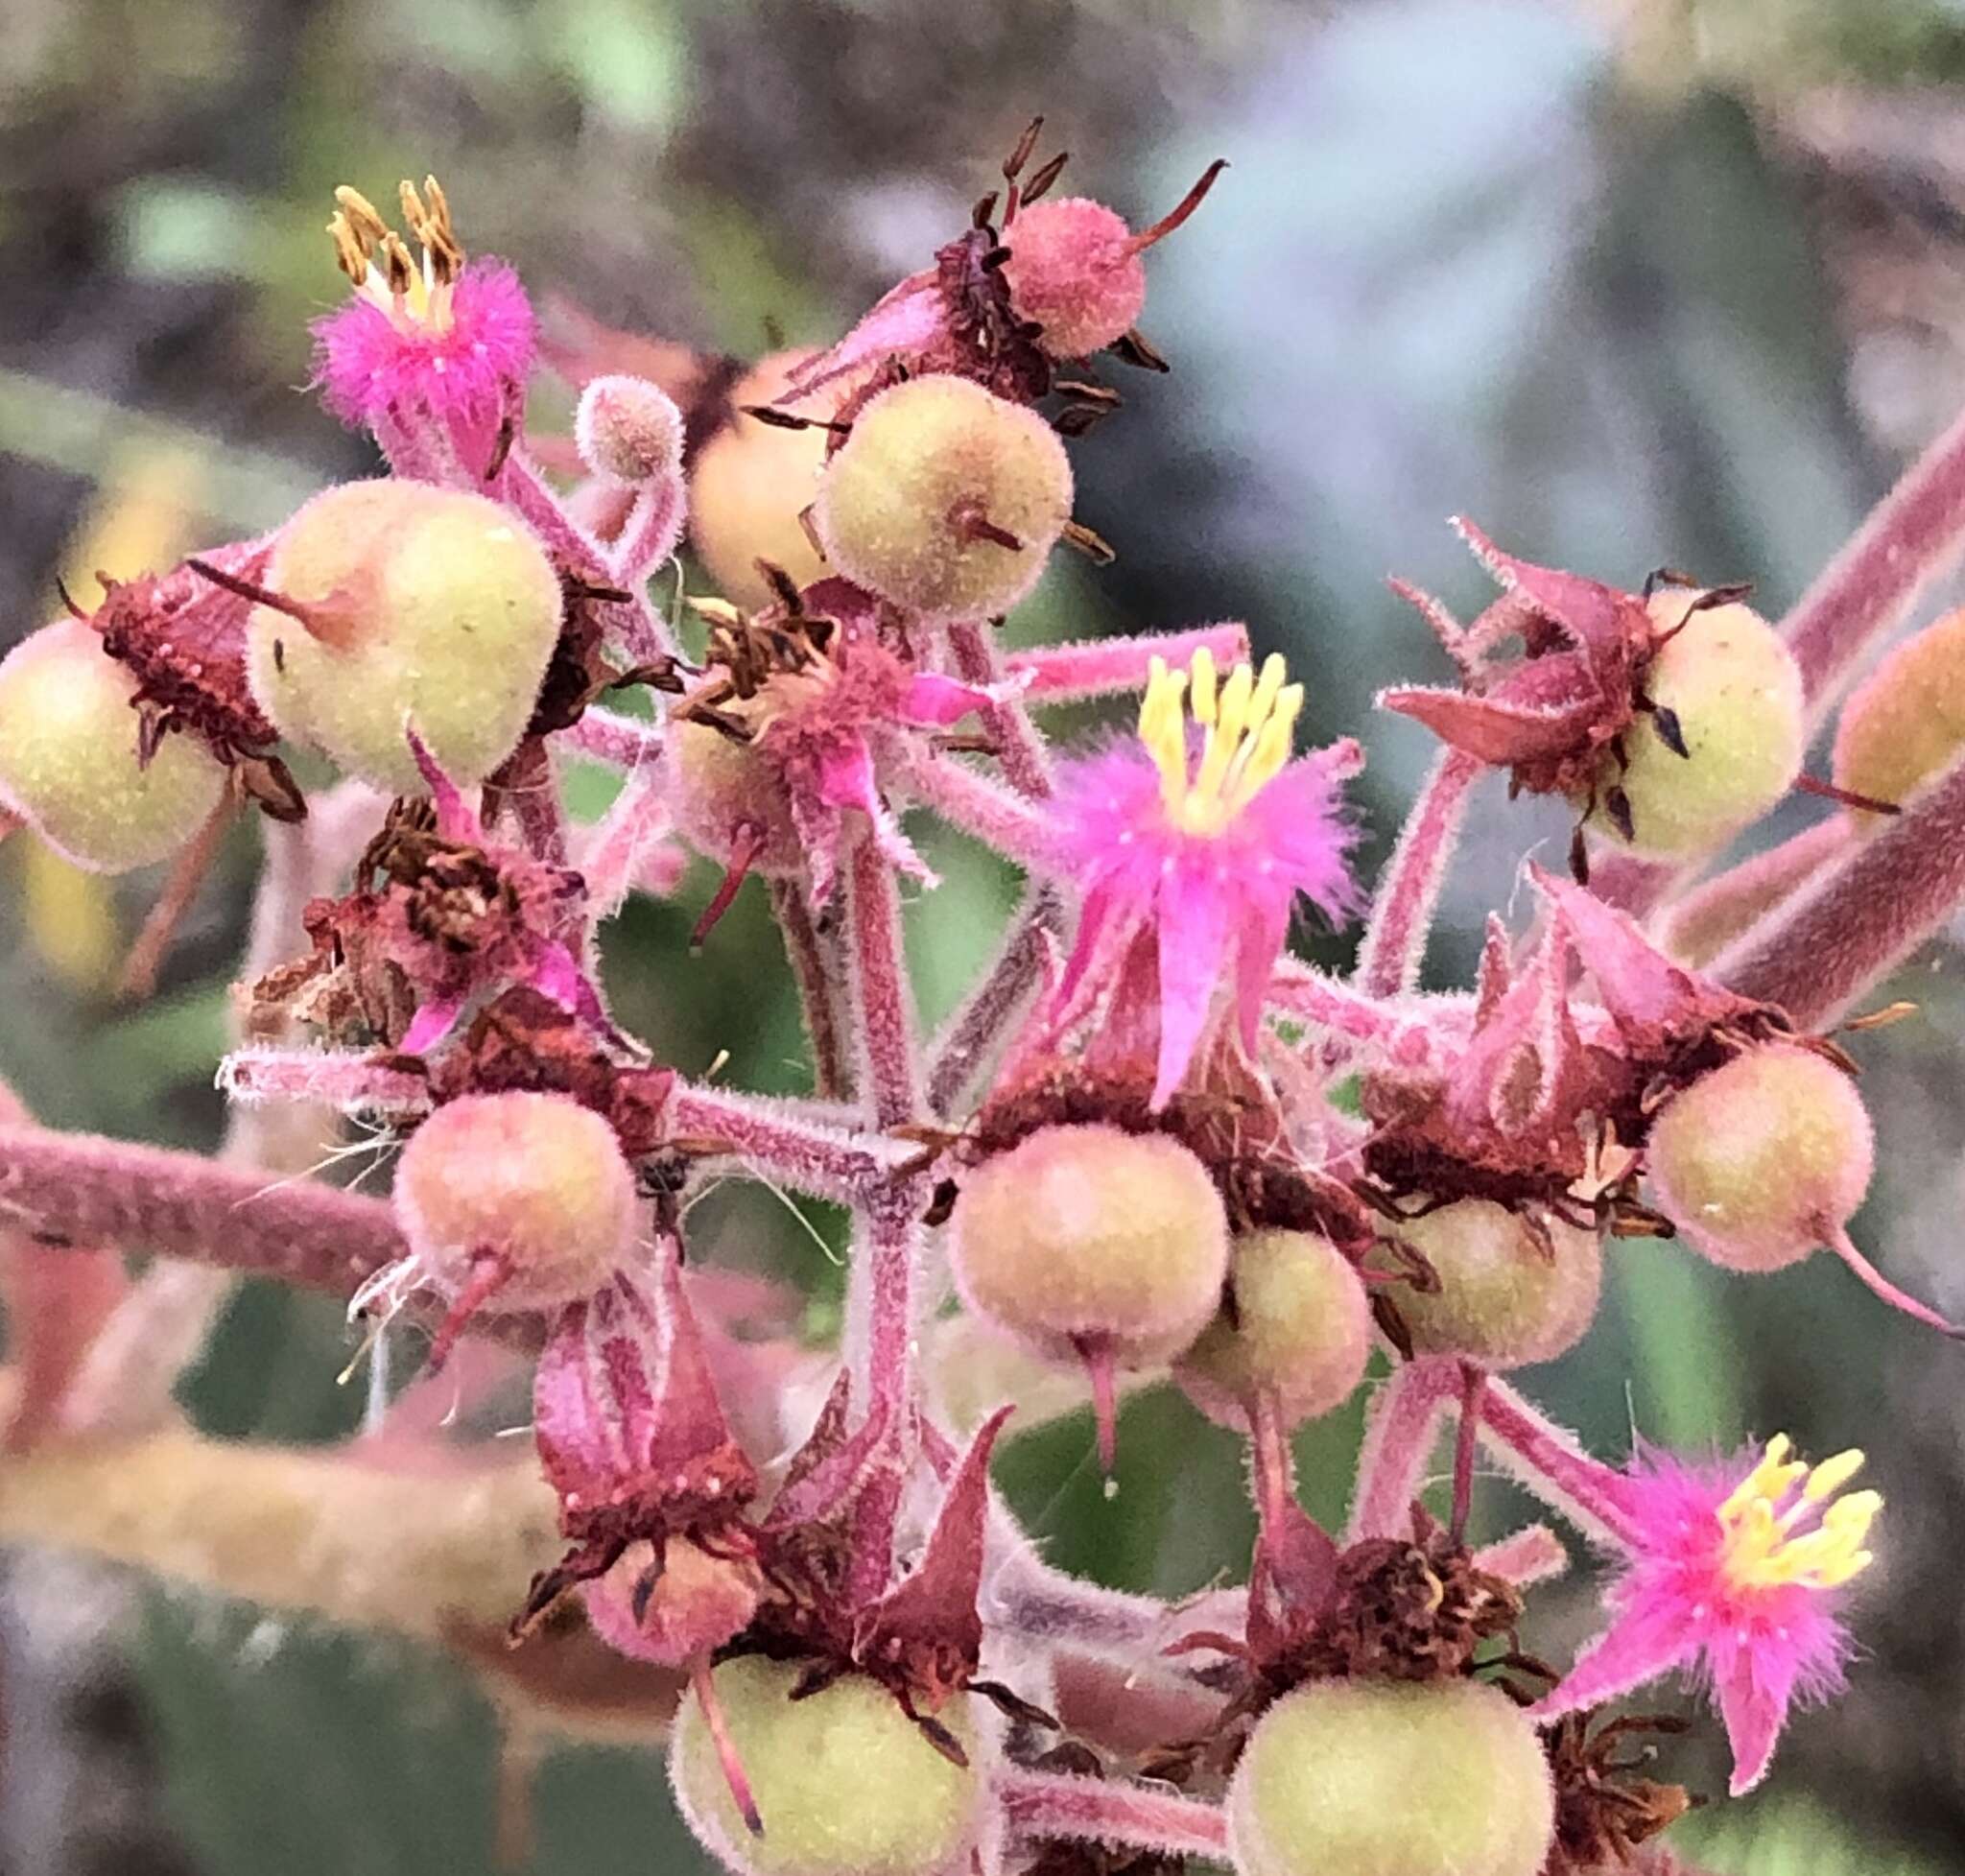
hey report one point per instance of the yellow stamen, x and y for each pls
(376, 258)
(1761, 1549)
(1246, 726)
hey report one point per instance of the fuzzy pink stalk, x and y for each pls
(1714, 914)
(1395, 934)
(889, 1068)
(653, 530)
(1530, 1556)
(608, 736)
(1021, 751)
(775, 1140)
(611, 860)
(1400, 1033)
(971, 1037)
(1111, 1812)
(339, 1079)
(1100, 667)
(1911, 537)
(815, 970)
(1399, 1430)
(1820, 951)
(983, 809)
(80, 1189)
(1551, 1463)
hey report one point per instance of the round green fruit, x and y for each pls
(68, 756)
(1905, 721)
(944, 499)
(1300, 1330)
(535, 1179)
(845, 1783)
(1510, 1293)
(1089, 1235)
(1764, 1159)
(412, 607)
(726, 795)
(1391, 1778)
(1736, 691)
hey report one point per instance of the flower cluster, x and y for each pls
(1150, 1144)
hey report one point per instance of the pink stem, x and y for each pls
(1911, 537)
(1099, 667)
(1301, 990)
(881, 1307)
(1111, 1812)
(610, 861)
(1394, 945)
(889, 1070)
(1819, 952)
(815, 970)
(654, 527)
(1466, 1438)
(1532, 1555)
(970, 1038)
(80, 1189)
(1712, 914)
(1551, 1463)
(339, 1079)
(1840, 1243)
(608, 736)
(1400, 1428)
(983, 809)
(1025, 761)
(776, 1141)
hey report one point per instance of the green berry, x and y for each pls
(1907, 720)
(68, 756)
(1087, 1234)
(944, 499)
(1391, 1778)
(1735, 689)
(1300, 1330)
(845, 1783)
(1762, 1160)
(1511, 1293)
(418, 608)
(533, 1178)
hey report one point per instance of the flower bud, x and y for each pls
(1087, 1233)
(728, 797)
(1299, 1328)
(1074, 270)
(69, 761)
(394, 605)
(535, 1183)
(1905, 721)
(945, 499)
(1762, 1160)
(1513, 1291)
(749, 485)
(628, 429)
(1735, 690)
(1391, 1778)
(844, 1783)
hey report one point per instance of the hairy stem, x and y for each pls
(1025, 761)
(775, 1140)
(1401, 1428)
(889, 1069)
(1111, 1812)
(1552, 1465)
(1099, 667)
(1395, 936)
(608, 736)
(981, 808)
(970, 1040)
(1712, 914)
(816, 971)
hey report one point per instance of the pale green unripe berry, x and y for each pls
(1391, 1778)
(535, 1179)
(1087, 1233)
(425, 607)
(1905, 721)
(1301, 1331)
(723, 792)
(845, 1782)
(1737, 693)
(945, 499)
(1762, 1160)
(1508, 1296)
(68, 764)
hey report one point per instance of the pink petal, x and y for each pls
(1637, 1648)
(1754, 1718)
(934, 700)
(431, 1024)
(456, 818)
(1196, 921)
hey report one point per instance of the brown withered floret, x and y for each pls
(1604, 1810)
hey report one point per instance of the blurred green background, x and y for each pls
(1630, 283)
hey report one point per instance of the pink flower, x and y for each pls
(1734, 1579)
(1195, 849)
(449, 336)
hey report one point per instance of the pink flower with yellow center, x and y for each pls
(1734, 1579)
(1191, 842)
(446, 336)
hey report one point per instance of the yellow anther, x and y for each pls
(1761, 1548)
(1246, 722)
(377, 259)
